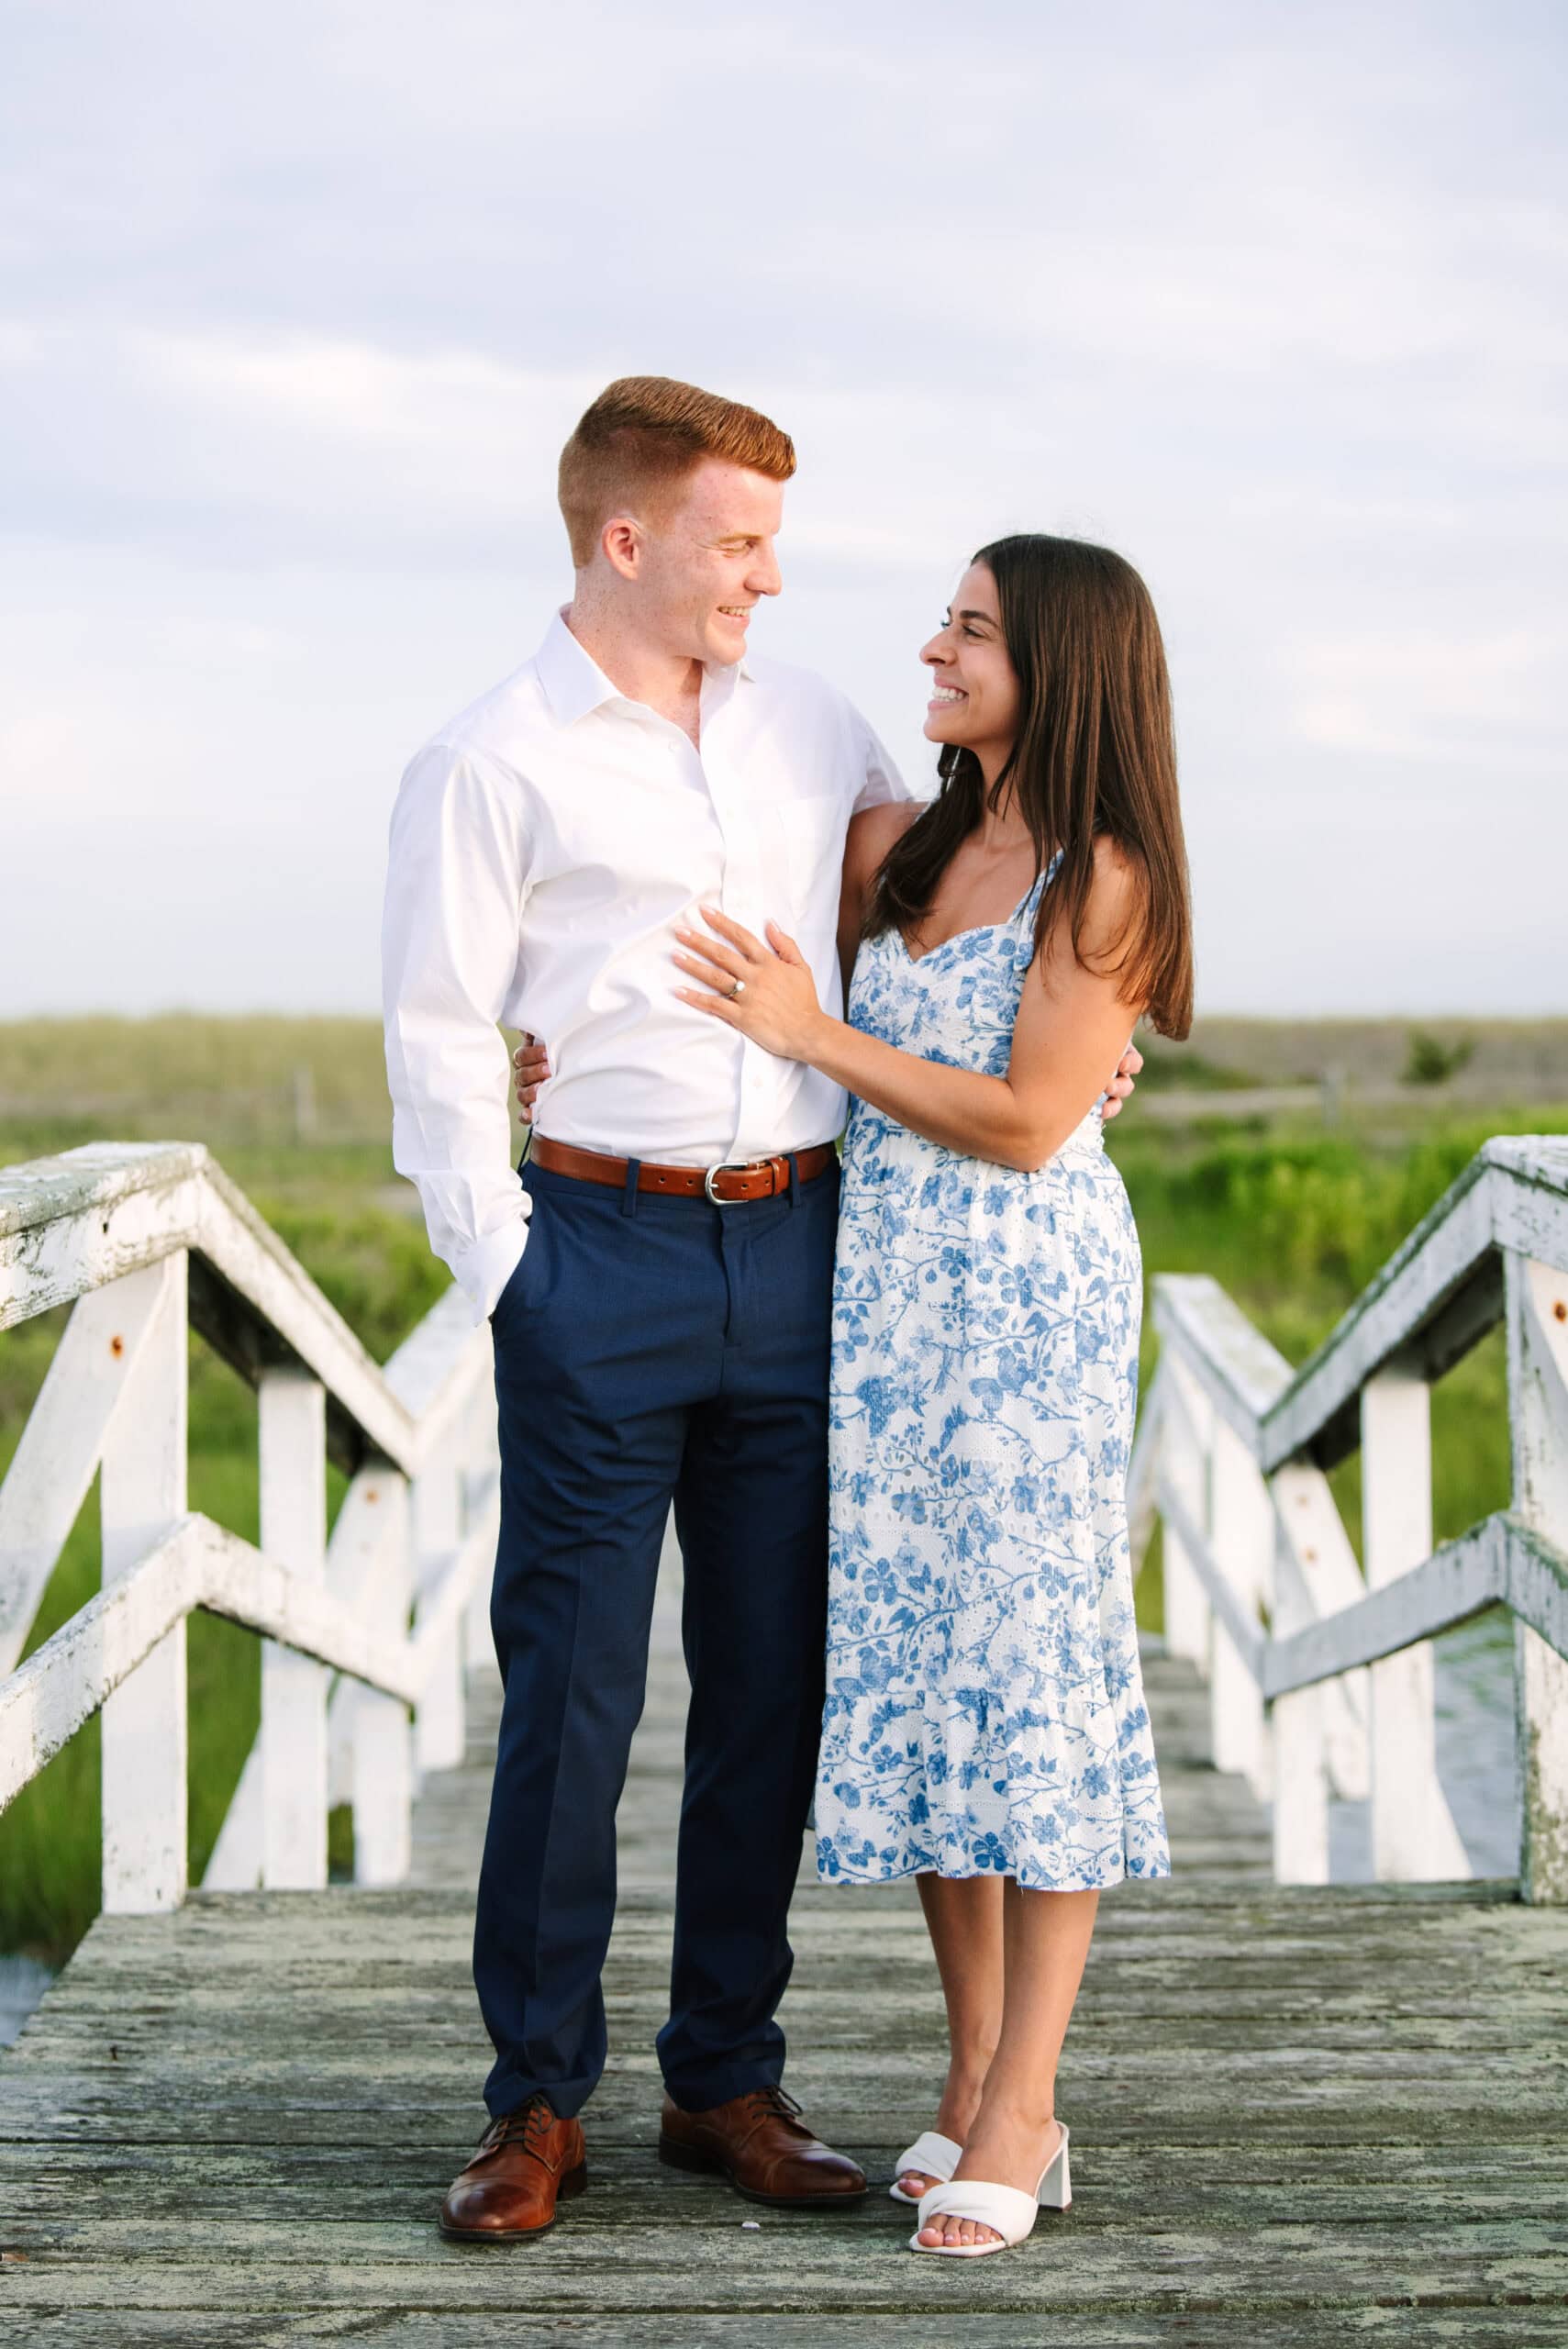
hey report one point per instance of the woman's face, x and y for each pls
(974, 689)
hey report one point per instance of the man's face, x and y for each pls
(710, 560)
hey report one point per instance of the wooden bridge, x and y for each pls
(1309, 2113)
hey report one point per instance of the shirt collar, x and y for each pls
(575, 683)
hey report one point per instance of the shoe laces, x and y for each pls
(766, 2103)
(531, 2121)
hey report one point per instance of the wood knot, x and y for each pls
(1560, 1311)
(117, 1347)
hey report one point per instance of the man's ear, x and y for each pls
(622, 543)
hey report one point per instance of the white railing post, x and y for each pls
(382, 1761)
(437, 1513)
(1297, 1721)
(142, 1492)
(1241, 1537)
(1187, 1441)
(1316, 1574)
(1301, 1781)
(1413, 1834)
(1537, 1307)
(484, 1469)
(293, 1435)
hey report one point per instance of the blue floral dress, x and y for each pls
(985, 1710)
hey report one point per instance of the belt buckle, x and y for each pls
(728, 1167)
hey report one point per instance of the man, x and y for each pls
(659, 1282)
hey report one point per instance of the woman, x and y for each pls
(985, 1727)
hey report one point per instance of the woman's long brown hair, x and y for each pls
(1095, 756)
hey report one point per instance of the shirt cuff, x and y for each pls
(484, 1270)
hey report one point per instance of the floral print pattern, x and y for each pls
(985, 1710)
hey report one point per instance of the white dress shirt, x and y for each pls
(545, 844)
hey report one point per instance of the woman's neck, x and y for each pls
(1002, 827)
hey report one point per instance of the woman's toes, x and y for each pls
(952, 2234)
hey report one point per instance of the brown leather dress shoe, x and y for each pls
(762, 2146)
(527, 2162)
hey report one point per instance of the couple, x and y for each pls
(657, 853)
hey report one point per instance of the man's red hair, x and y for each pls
(642, 437)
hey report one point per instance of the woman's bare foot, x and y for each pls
(1004, 2150)
(955, 2118)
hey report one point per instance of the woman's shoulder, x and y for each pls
(1119, 868)
(1112, 907)
(873, 832)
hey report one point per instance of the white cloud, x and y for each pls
(1447, 700)
(298, 306)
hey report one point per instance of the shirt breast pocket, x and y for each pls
(810, 837)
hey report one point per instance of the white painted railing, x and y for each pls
(1320, 1678)
(146, 1240)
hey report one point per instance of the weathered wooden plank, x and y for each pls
(1413, 1834)
(833, 2244)
(1150, 1985)
(1500, 1558)
(1489, 2326)
(1245, 2100)
(1538, 1416)
(199, 1563)
(1240, 1625)
(52, 1468)
(141, 1493)
(1237, 1368)
(1268, 2087)
(292, 1428)
(719, 2266)
(366, 1567)
(1420, 1285)
(1218, 2191)
(76, 1222)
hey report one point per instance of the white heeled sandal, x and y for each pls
(933, 2155)
(1011, 2213)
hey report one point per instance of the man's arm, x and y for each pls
(880, 779)
(455, 884)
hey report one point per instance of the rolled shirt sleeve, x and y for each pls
(457, 878)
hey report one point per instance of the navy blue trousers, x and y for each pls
(651, 1349)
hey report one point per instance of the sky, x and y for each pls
(297, 305)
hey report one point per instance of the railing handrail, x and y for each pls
(1262, 1580)
(197, 1564)
(1438, 1292)
(71, 1223)
(145, 1240)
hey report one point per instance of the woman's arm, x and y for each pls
(1071, 1029)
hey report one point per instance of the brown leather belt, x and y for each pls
(727, 1185)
